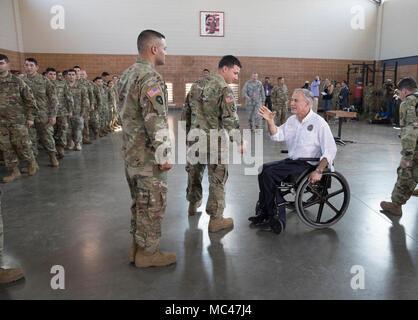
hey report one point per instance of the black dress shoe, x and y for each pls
(258, 219)
(276, 224)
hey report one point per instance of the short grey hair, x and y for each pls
(307, 95)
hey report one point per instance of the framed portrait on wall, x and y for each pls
(212, 23)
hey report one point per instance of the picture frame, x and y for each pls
(212, 23)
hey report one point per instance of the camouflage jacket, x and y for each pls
(104, 91)
(408, 120)
(279, 96)
(89, 89)
(65, 98)
(44, 92)
(210, 104)
(80, 96)
(144, 112)
(17, 103)
(97, 98)
(369, 93)
(255, 91)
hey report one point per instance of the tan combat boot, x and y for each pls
(14, 175)
(53, 159)
(86, 141)
(145, 259)
(60, 152)
(415, 193)
(10, 275)
(132, 253)
(218, 224)
(193, 207)
(70, 145)
(32, 168)
(78, 147)
(391, 208)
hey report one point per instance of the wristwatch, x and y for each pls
(319, 171)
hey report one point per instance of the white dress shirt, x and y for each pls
(311, 138)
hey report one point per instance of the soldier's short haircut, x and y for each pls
(279, 78)
(4, 57)
(32, 60)
(206, 70)
(76, 67)
(44, 73)
(407, 83)
(105, 74)
(71, 70)
(97, 78)
(50, 70)
(229, 61)
(145, 38)
(64, 73)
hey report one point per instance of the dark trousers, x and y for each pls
(268, 103)
(271, 176)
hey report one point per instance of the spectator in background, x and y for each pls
(315, 93)
(268, 87)
(306, 86)
(206, 73)
(327, 95)
(343, 97)
(336, 100)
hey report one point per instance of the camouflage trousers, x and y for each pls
(94, 122)
(148, 188)
(253, 118)
(281, 114)
(75, 129)
(218, 175)
(43, 130)
(61, 128)
(104, 118)
(86, 129)
(407, 178)
(15, 143)
(1, 233)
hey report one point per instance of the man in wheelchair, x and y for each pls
(307, 135)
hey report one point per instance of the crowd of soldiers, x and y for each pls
(53, 111)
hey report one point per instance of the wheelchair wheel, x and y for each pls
(323, 204)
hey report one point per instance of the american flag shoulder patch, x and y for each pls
(152, 92)
(229, 99)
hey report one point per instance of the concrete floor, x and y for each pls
(78, 216)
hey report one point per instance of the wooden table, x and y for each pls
(341, 115)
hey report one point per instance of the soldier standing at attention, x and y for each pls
(46, 101)
(144, 114)
(66, 105)
(279, 99)
(408, 168)
(81, 105)
(17, 113)
(253, 93)
(369, 101)
(211, 105)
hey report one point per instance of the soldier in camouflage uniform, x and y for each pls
(144, 114)
(408, 168)
(90, 96)
(279, 100)
(369, 101)
(103, 112)
(253, 93)
(11, 274)
(47, 102)
(108, 110)
(17, 113)
(211, 105)
(336, 93)
(65, 107)
(95, 114)
(81, 105)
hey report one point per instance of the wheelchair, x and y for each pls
(318, 205)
